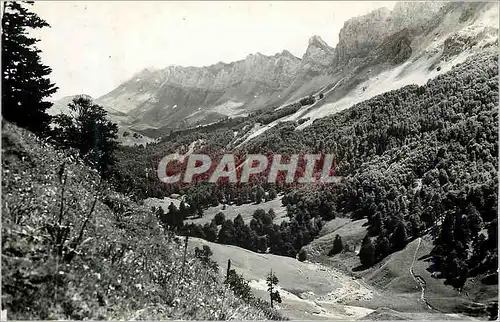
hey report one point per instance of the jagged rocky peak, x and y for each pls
(286, 54)
(318, 53)
(316, 41)
(146, 72)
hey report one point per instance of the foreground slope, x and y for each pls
(74, 249)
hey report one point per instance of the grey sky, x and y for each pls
(94, 46)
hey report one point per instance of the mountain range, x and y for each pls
(382, 50)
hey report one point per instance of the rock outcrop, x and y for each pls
(361, 35)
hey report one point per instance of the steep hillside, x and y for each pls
(317, 290)
(74, 249)
(308, 290)
(410, 45)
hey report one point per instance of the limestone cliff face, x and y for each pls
(361, 35)
(179, 96)
(277, 69)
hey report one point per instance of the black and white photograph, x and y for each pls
(249, 160)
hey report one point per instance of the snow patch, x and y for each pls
(418, 72)
(230, 108)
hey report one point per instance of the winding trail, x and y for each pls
(419, 279)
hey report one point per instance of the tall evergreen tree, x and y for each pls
(302, 256)
(210, 231)
(399, 238)
(382, 247)
(367, 252)
(338, 246)
(227, 233)
(272, 281)
(25, 84)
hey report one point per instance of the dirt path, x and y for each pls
(419, 279)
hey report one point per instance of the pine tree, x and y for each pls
(25, 84)
(337, 246)
(272, 193)
(272, 281)
(239, 223)
(259, 194)
(302, 256)
(239, 285)
(171, 215)
(219, 218)
(227, 233)
(367, 252)
(382, 247)
(399, 237)
(210, 231)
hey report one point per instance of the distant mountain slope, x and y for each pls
(183, 95)
(415, 36)
(412, 55)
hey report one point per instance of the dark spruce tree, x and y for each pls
(220, 218)
(338, 246)
(302, 256)
(399, 238)
(367, 252)
(25, 82)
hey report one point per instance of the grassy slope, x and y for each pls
(124, 267)
(308, 290)
(352, 232)
(246, 211)
(394, 286)
(230, 212)
(318, 291)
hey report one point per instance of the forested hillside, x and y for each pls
(422, 157)
(415, 160)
